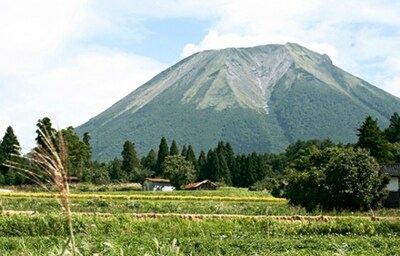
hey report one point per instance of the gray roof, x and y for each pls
(393, 170)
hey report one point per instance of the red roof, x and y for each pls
(158, 180)
(196, 184)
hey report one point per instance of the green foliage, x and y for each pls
(130, 160)
(79, 154)
(162, 154)
(338, 179)
(149, 161)
(184, 151)
(371, 137)
(392, 133)
(9, 149)
(305, 189)
(179, 171)
(353, 181)
(101, 177)
(44, 127)
(273, 185)
(202, 165)
(174, 149)
(139, 175)
(115, 170)
(191, 157)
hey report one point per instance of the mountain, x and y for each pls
(258, 99)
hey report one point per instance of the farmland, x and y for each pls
(222, 222)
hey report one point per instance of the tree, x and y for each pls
(230, 157)
(86, 140)
(240, 175)
(223, 173)
(205, 167)
(339, 179)
(79, 155)
(174, 149)
(115, 170)
(179, 171)
(101, 176)
(191, 157)
(9, 147)
(354, 181)
(371, 137)
(202, 163)
(162, 154)
(184, 151)
(130, 161)
(149, 161)
(44, 127)
(392, 133)
(140, 174)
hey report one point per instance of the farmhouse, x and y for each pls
(154, 184)
(393, 170)
(202, 185)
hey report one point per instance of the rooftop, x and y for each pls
(158, 180)
(393, 170)
(196, 184)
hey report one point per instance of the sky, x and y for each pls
(69, 60)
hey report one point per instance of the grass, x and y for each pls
(124, 204)
(44, 234)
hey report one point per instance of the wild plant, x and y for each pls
(47, 165)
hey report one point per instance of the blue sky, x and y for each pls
(71, 59)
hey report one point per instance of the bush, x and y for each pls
(274, 186)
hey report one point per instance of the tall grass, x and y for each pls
(47, 165)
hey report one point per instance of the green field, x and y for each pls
(34, 226)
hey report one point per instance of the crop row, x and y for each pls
(42, 234)
(147, 197)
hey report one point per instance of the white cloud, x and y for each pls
(31, 31)
(73, 93)
(91, 83)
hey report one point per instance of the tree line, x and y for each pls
(305, 164)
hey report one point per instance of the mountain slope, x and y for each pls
(259, 99)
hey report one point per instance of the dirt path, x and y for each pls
(299, 218)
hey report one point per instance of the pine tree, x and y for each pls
(174, 149)
(230, 159)
(9, 146)
(240, 174)
(392, 133)
(202, 164)
(371, 138)
(184, 151)
(130, 160)
(222, 172)
(150, 161)
(212, 170)
(44, 126)
(162, 154)
(190, 156)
